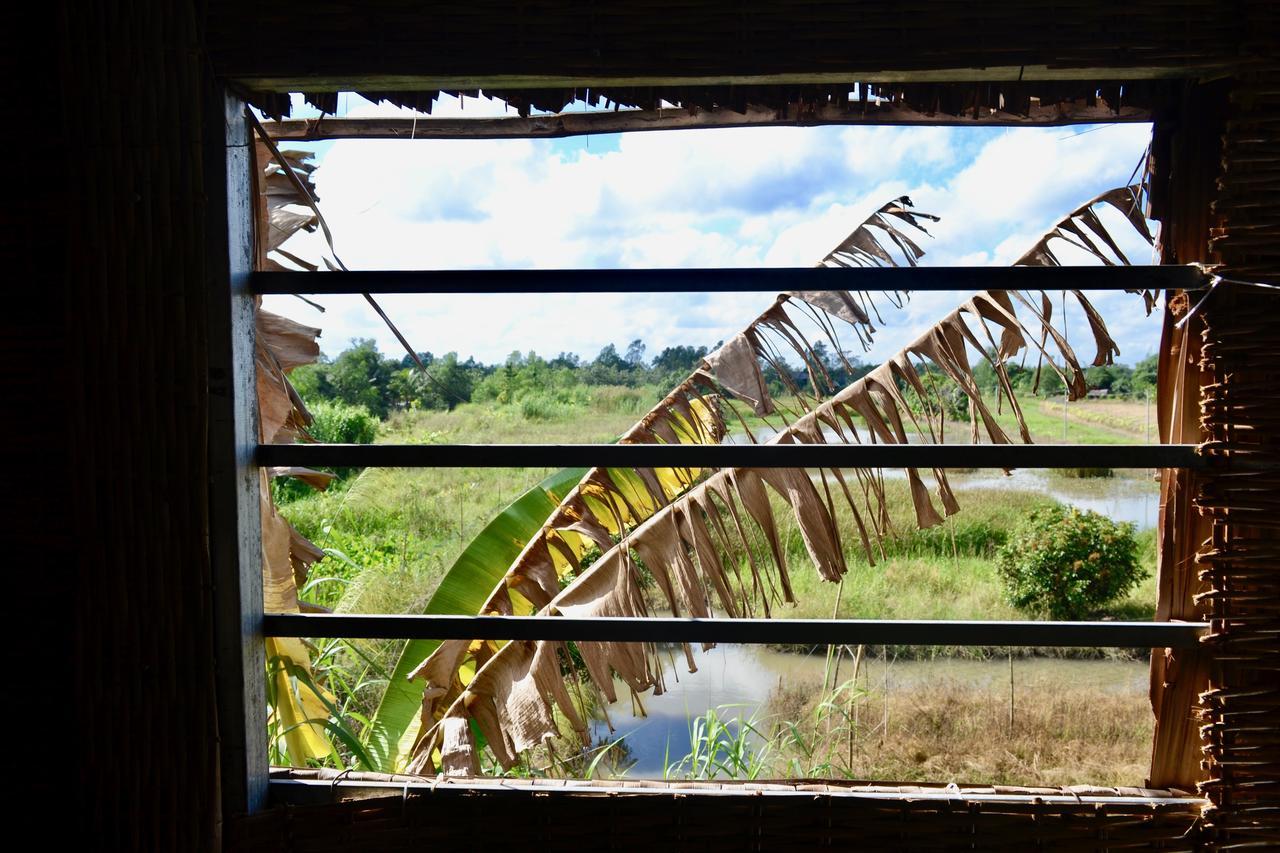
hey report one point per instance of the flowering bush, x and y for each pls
(1067, 564)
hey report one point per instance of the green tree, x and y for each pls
(1144, 375)
(311, 381)
(679, 358)
(608, 368)
(362, 377)
(1117, 379)
(450, 383)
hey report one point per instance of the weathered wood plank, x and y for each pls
(235, 544)
(562, 125)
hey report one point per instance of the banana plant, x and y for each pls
(604, 504)
(464, 589)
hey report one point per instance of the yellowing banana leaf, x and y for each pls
(464, 589)
(295, 708)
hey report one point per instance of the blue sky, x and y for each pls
(696, 198)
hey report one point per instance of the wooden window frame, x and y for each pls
(235, 460)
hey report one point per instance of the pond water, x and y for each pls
(744, 677)
(1122, 498)
(1135, 499)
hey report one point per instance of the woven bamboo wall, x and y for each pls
(724, 819)
(1240, 409)
(105, 375)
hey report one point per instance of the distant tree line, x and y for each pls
(363, 376)
(1118, 380)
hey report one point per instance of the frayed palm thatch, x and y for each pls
(716, 548)
(297, 708)
(298, 705)
(1084, 230)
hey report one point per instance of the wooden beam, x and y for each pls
(390, 82)
(298, 786)
(562, 125)
(235, 536)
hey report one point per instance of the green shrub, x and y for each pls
(334, 423)
(1067, 563)
(342, 423)
(620, 400)
(541, 407)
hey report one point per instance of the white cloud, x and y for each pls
(742, 197)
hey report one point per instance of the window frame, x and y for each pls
(236, 459)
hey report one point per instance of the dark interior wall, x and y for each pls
(104, 366)
(722, 38)
(722, 51)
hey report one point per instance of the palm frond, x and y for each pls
(608, 502)
(696, 545)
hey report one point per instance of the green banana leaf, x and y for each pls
(464, 589)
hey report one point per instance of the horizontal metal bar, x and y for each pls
(770, 280)
(731, 455)
(675, 630)
(285, 789)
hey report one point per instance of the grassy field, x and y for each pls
(945, 572)
(393, 532)
(957, 727)
(397, 530)
(1087, 421)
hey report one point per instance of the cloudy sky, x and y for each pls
(710, 198)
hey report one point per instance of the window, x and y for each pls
(805, 453)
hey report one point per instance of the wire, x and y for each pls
(303, 191)
(1090, 130)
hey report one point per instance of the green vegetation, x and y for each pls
(342, 423)
(540, 389)
(1117, 380)
(391, 535)
(1067, 563)
(721, 746)
(945, 572)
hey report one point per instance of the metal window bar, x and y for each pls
(814, 631)
(732, 455)
(733, 280)
(821, 632)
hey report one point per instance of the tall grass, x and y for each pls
(946, 728)
(721, 747)
(952, 730)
